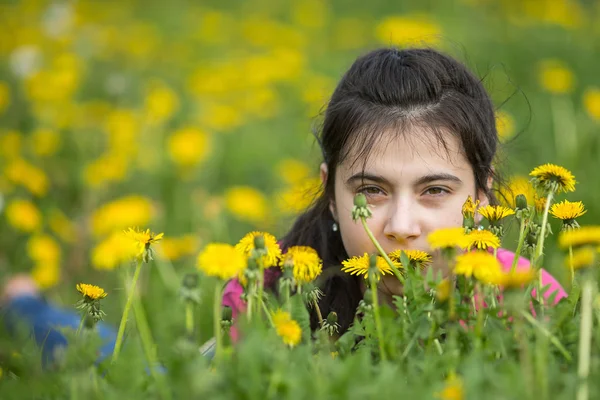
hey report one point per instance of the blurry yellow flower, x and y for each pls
(505, 125)
(123, 128)
(447, 238)
(268, 33)
(482, 239)
(292, 171)
(495, 213)
(246, 246)
(120, 214)
(4, 96)
(23, 215)
(582, 258)
(174, 248)
(305, 261)
(311, 14)
(61, 225)
(45, 142)
(469, 207)
(408, 30)
(299, 197)
(43, 249)
(360, 266)
(221, 260)
(316, 90)
(246, 203)
(481, 264)
(591, 102)
(91, 292)
(540, 204)
(586, 235)
(143, 240)
(46, 275)
(219, 116)
(567, 210)
(288, 329)
(113, 251)
(518, 185)
(553, 177)
(29, 176)
(442, 290)
(516, 279)
(108, 168)
(161, 102)
(188, 146)
(10, 144)
(453, 389)
(556, 77)
(417, 258)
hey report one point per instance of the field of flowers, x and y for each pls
(196, 119)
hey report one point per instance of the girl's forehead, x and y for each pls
(415, 149)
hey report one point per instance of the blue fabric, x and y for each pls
(43, 319)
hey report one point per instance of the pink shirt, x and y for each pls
(233, 289)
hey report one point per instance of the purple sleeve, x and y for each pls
(506, 258)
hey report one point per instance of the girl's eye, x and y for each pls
(370, 190)
(436, 191)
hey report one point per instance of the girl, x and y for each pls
(414, 130)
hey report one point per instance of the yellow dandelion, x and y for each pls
(551, 177)
(293, 171)
(567, 210)
(188, 146)
(556, 77)
(505, 125)
(246, 203)
(46, 274)
(221, 260)
(482, 239)
(587, 235)
(518, 185)
(453, 389)
(582, 258)
(442, 290)
(591, 101)
(23, 215)
(306, 263)
(540, 204)
(469, 207)
(516, 279)
(360, 266)
(408, 30)
(418, 258)
(91, 292)
(143, 240)
(495, 213)
(480, 264)
(246, 246)
(288, 329)
(43, 248)
(447, 238)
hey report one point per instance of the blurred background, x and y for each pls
(195, 118)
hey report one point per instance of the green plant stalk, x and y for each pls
(261, 284)
(524, 353)
(478, 306)
(80, 324)
(217, 321)
(585, 339)
(522, 233)
(377, 318)
(268, 314)
(149, 346)
(121, 332)
(380, 250)
(286, 298)
(571, 269)
(189, 318)
(540, 249)
(318, 310)
(553, 339)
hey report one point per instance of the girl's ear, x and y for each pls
(324, 172)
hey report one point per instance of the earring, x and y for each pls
(334, 227)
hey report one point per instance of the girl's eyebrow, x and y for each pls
(442, 176)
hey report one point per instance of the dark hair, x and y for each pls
(397, 89)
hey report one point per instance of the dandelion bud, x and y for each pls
(259, 242)
(521, 202)
(368, 296)
(252, 264)
(360, 200)
(332, 318)
(190, 281)
(226, 314)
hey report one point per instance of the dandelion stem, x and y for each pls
(380, 250)
(585, 339)
(553, 339)
(571, 268)
(540, 244)
(217, 321)
(522, 233)
(377, 318)
(266, 310)
(189, 318)
(261, 284)
(319, 315)
(80, 325)
(130, 295)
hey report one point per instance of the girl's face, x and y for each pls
(413, 186)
